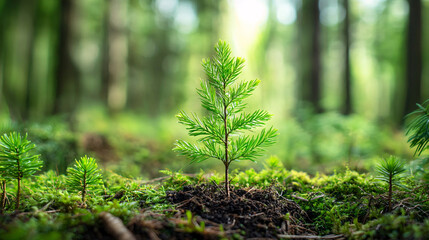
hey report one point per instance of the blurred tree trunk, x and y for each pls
(347, 75)
(67, 75)
(208, 16)
(114, 83)
(413, 72)
(4, 17)
(30, 84)
(266, 39)
(17, 46)
(309, 38)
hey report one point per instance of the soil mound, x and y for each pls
(258, 213)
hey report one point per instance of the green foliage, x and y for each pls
(345, 202)
(40, 228)
(328, 136)
(84, 176)
(221, 133)
(54, 140)
(419, 168)
(390, 170)
(418, 128)
(16, 161)
(388, 226)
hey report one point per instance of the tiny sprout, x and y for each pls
(390, 170)
(84, 176)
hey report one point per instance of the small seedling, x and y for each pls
(418, 128)
(16, 161)
(84, 176)
(221, 132)
(390, 171)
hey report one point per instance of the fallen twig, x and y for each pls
(300, 198)
(115, 227)
(311, 236)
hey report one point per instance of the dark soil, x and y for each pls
(253, 212)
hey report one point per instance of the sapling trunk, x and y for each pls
(3, 197)
(227, 180)
(18, 194)
(18, 191)
(84, 187)
(225, 125)
(389, 198)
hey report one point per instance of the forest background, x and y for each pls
(108, 77)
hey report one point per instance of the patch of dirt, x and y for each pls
(253, 212)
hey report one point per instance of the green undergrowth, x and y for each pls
(345, 202)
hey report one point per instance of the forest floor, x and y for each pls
(274, 203)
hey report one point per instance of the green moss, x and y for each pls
(345, 202)
(389, 226)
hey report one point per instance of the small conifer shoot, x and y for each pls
(222, 133)
(16, 161)
(389, 171)
(84, 176)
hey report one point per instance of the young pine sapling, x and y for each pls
(389, 171)
(84, 176)
(16, 161)
(222, 131)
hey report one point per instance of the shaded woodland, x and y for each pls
(202, 119)
(135, 55)
(79, 60)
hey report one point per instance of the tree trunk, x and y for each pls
(347, 75)
(413, 76)
(30, 85)
(16, 48)
(67, 77)
(115, 59)
(310, 72)
(315, 95)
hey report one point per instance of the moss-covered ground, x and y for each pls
(345, 204)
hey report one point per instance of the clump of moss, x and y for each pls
(389, 226)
